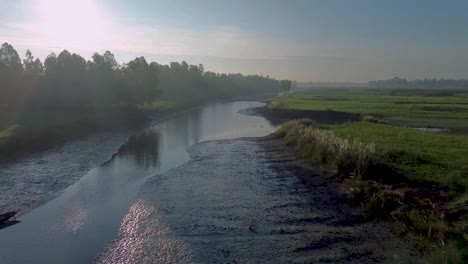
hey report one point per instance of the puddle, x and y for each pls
(432, 129)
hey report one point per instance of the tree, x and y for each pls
(9, 57)
(103, 77)
(285, 85)
(11, 73)
(33, 73)
(32, 66)
(140, 81)
(69, 83)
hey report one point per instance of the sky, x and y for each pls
(304, 40)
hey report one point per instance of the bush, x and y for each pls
(370, 119)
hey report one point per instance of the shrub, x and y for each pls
(273, 104)
(370, 119)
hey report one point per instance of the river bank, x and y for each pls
(414, 179)
(36, 131)
(38, 175)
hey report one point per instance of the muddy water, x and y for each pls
(79, 224)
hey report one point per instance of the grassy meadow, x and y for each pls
(440, 158)
(419, 179)
(402, 107)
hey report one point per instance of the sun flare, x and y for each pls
(71, 24)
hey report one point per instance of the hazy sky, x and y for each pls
(353, 40)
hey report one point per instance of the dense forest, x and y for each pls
(68, 82)
(425, 83)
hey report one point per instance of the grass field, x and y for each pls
(411, 108)
(410, 163)
(422, 156)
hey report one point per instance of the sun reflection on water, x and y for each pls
(71, 221)
(143, 238)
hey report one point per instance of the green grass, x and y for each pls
(7, 132)
(421, 156)
(413, 108)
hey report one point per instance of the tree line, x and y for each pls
(424, 83)
(68, 81)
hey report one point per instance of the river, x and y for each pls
(76, 226)
(200, 187)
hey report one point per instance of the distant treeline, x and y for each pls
(424, 83)
(68, 81)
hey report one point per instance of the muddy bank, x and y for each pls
(34, 178)
(279, 115)
(248, 200)
(41, 133)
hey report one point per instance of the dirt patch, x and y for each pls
(278, 116)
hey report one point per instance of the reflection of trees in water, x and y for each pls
(192, 128)
(143, 148)
(184, 129)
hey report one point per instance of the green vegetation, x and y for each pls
(421, 156)
(411, 108)
(417, 179)
(285, 85)
(335, 155)
(42, 129)
(425, 83)
(7, 132)
(422, 217)
(67, 95)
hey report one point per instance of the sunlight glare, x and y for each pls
(71, 24)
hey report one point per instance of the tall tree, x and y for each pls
(140, 80)
(285, 85)
(11, 72)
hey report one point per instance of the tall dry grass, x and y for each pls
(336, 156)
